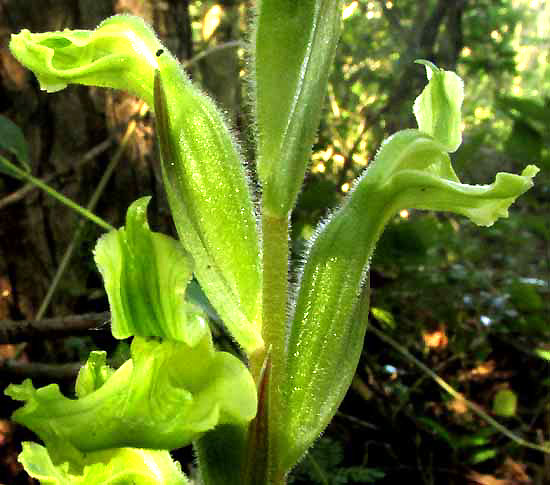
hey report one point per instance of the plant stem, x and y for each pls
(274, 313)
(57, 195)
(28, 187)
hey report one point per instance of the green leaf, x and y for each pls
(529, 110)
(477, 439)
(166, 396)
(13, 140)
(505, 403)
(482, 455)
(437, 109)
(294, 46)
(110, 467)
(543, 353)
(438, 429)
(383, 316)
(119, 54)
(146, 275)
(525, 297)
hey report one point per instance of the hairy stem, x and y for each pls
(274, 313)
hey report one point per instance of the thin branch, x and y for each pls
(90, 207)
(457, 395)
(357, 421)
(11, 369)
(226, 45)
(12, 332)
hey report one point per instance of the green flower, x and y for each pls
(119, 54)
(164, 397)
(411, 170)
(146, 275)
(203, 171)
(109, 467)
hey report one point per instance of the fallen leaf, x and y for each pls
(514, 471)
(5, 431)
(479, 479)
(458, 406)
(437, 339)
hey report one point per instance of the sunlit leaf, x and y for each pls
(383, 316)
(13, 140)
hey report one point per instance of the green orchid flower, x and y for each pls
(109, 467)
(146, 275)
(119, 54)
(203, 171)
(411, 170)
(164, 397)
(174, 388)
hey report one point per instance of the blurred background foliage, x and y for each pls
(472, 303)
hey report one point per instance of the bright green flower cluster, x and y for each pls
(174, 388)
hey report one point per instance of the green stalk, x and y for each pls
(275, 231)
(57, 195)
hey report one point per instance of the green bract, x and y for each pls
(411, 170)
(295, 42)
(109, 467)
(146, 275)
(164, 397)
(210, 201)
(119, 54)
